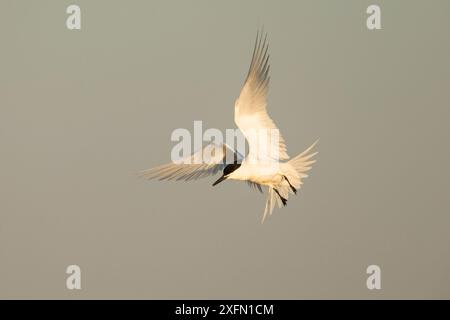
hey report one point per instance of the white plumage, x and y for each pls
(262, 165)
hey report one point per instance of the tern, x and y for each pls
(264, 165)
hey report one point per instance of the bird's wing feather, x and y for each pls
(250, 112)
(206, 162)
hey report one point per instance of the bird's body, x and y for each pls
(281, 178)
(267, 163)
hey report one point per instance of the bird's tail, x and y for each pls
(294, 170)
(272, 198)
(302, 164)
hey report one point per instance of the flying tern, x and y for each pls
(265, 165)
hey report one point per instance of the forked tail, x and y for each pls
(294, 171)
(302, 164)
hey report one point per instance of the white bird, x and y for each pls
(262, 165)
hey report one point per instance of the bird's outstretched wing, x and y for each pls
(205, 162)
(250, 112)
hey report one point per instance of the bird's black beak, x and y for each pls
(219, 180)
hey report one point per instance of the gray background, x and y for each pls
(82, 111)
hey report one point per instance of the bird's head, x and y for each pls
(227, 171)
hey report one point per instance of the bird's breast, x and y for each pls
(259, 173)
